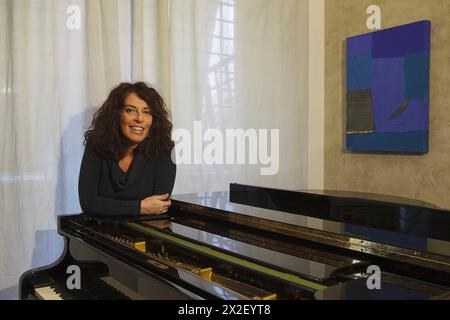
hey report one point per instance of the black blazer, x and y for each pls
(104, 189)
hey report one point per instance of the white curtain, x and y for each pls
(231, 64)
(52, 78)
(228, 63)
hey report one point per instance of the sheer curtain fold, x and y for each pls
(108, 32)
(231, 64)
(151, 42)
(272, 85)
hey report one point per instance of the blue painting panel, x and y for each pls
(388, 92)
(393, 65)
(401, 41)
(417, 76)
(378, 142)
(360, 45)
(359, 71)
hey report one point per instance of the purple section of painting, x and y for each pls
(398, 42)
(388, 95)
(359, 45)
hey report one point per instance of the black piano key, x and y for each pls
(99, 289)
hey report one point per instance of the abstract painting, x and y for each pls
(388, 90)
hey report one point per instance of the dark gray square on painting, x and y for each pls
(360, 111)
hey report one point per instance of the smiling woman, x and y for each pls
(136, 118)
(127, 167)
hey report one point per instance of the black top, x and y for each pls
(104, 189)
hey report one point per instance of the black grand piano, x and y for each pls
(254, 243)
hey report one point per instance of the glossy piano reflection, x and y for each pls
(208, 247)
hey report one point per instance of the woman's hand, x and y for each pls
(155, 204)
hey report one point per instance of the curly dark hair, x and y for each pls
(107, 137)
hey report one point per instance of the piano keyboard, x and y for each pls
(106, 288)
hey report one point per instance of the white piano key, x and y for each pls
(47, 293)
